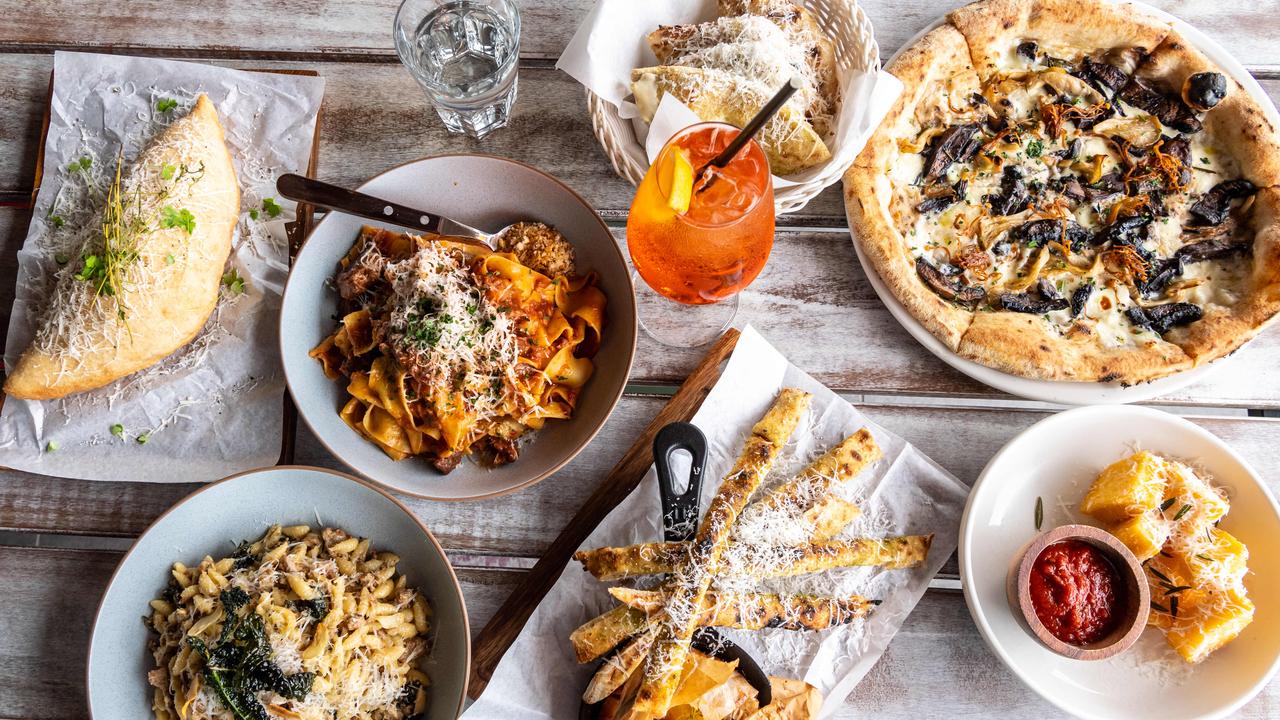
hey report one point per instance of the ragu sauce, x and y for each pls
(1076, 592)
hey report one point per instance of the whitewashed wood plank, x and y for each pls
(522, 524)
(362, 28)
(936, 666)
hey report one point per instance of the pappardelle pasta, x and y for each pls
(299, 624)
(449, 349)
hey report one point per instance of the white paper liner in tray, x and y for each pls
(905, 493)
(215, 406)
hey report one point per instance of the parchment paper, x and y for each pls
(905, 493)
(610, 43)
(214, 407)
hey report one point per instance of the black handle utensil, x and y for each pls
(337, 198)
(680, 511)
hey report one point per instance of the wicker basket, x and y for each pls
(856, 49)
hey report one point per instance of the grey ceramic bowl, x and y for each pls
(488, 193)
(212, 520)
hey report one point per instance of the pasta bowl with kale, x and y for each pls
(448, 370)
(326, 600)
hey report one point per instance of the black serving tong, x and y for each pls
(680, 512)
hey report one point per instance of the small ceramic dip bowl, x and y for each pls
(1131, 595)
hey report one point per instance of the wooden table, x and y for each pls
(812, 301)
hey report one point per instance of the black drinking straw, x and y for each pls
(770, 109)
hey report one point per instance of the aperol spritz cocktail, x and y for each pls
(700, 243)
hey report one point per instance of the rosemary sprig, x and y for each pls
(1039, 512)
(1182, 511)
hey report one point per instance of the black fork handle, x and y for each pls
(679, 510)
(335, 197)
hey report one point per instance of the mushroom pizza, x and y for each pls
(1068, 190)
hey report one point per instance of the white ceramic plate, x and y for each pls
(212, 520)
(489, 193)
(1073, 393)
(1057, 459)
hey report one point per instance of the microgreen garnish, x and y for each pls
(83, 163)
(51, 446)
(117, 430)
(61, 259)
(169, 259)
(166, 104)
(167, 171)
(143, 438)
(253, 213)
(1039, 512)
(1183, 511)
(57, 220)
(177, 218)
(233, 282)
(270, 207)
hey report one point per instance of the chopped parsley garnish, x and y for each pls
(1035, 148)
(166, 104)
(171, 217)
(270, 207)
(232, 281)
(51, 446)
(169, 259)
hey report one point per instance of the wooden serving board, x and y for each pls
(297, 231)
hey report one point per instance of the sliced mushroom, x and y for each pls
(1035, 304)
(1204, 90)
(1140, 132)
(1159, 274)
(1170, 111)
(1080, 297)
(1013, 197)
(1213, 207)
(1106, 78)
(1162, 318)
(1213, 249)
(956, 144)
(1128, 230)
(951, 289)
(1028, 50)
(1042, 232)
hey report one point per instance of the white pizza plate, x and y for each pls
(212, 520)
(1072, 393)
(1056, 460)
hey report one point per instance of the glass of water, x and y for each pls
(464, 53)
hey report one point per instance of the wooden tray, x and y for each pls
(296, 231)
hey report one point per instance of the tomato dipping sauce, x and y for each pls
(1076, 591)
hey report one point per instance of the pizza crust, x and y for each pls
(1238, 122)
(867, 195)
(1223, 329)
(939, 63)
(993, 28)
(1023, 345)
